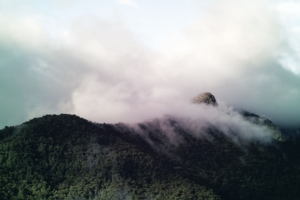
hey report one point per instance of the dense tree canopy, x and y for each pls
(67, 157)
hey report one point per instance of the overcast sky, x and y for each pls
(133, 60)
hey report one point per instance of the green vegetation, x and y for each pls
(67, 157)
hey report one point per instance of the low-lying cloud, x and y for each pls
(103, 72)
(199, 119)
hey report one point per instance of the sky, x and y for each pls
(133, 60)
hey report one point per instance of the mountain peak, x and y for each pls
(206, 98)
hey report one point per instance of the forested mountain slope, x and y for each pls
(67, 157)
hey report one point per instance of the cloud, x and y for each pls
(198, 121)
(130, 3)
(32, 77)
(103, 72)
(289, 12)
(235, 51)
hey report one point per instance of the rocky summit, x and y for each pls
(206, 98)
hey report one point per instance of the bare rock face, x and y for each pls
(206, 98)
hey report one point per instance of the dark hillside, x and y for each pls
(67, 157)
(61, 157)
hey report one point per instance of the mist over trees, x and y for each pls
(67, 157)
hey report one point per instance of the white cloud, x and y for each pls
(101, 71)
(131, 3)
(25, 31)
(290, 17)
(289, 8)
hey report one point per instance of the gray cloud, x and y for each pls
(26, 88)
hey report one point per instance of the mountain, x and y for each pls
(68, 157)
